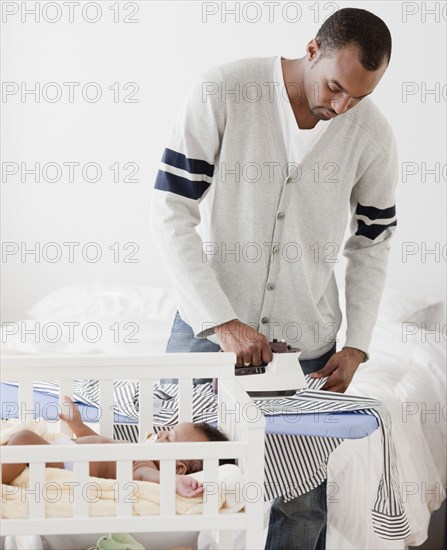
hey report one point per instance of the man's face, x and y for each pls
(336, 84)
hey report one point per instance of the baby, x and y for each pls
(143, 470)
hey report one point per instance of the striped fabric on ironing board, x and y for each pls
(388, 513)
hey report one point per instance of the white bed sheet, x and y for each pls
(408, 377)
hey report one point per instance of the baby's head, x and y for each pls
(187, 432)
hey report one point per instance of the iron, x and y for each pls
(282, 377)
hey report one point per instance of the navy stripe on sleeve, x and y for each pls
(166, 181)
(372, 231)
(374, 213)
(193, 166)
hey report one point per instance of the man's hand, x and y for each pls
(187, 486)
(340, 369)
(249, 345)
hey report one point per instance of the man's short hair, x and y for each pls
(360, 27)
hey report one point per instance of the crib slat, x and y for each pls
(81, 496)
(36, 493)
(65, 388)
(226, 539)
(125, 489)
(167, 487)
(221, 416)
(146, 408)
(26, 400)
(211, 488)
(106, 403)
(185, 399)
(136, 524)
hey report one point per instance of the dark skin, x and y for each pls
(319, 88)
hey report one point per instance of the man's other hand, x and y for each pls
(340, 369)
(249, 345)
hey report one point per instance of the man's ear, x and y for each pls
(313, 50)
(180, 468)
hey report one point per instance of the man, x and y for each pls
(267, 155)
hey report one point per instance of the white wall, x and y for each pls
(163, 53)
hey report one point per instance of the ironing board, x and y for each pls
(344, 425)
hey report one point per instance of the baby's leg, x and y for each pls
(24, 437)
(105, 470)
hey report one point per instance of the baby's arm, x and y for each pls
(74, 420)
(184, 485)
(146, 470)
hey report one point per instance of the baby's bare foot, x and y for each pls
(73, 418)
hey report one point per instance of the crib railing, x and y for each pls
(236, 416)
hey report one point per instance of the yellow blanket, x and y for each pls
(103, 493)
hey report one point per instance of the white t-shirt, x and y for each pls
(298, 141)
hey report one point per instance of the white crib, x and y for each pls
(245, 432)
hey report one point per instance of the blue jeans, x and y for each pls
(182, 340)
(299, 524)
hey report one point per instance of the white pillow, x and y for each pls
(96, 300)
(405, 306)
(231, 487)
(94, 335)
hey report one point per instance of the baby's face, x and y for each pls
(186, 431)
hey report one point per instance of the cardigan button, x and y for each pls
(275, 249)
(288, 179)
(270, 286)
(280, 215)
(265, 320)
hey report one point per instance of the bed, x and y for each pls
(224, 506)
(406, 372)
